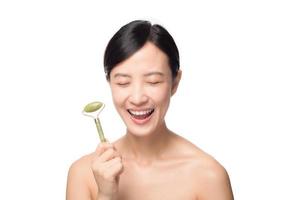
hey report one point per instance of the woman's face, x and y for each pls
(141, 89)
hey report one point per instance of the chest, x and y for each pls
(167, 182)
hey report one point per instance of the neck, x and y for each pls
(144, 150)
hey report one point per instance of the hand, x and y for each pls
(107, 167)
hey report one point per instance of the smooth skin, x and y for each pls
(150, 161)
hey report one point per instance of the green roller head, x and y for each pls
(92, 107)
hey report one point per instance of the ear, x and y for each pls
(176, 82)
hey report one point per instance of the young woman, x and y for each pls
(149, 162)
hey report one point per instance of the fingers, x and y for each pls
(112, 168)
(107, 155)
(102, 147)
(108, 170)
(114, 161)
(106, 151)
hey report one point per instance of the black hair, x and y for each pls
(132, 37)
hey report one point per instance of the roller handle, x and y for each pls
(100, 131)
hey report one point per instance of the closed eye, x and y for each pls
(154, 82)
(122, 84)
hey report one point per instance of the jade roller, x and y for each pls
(93, 110)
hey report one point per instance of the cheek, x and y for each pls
(161, 95)
(118, 96)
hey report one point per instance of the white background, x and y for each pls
(238, 99)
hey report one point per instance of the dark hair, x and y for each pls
(132, 37)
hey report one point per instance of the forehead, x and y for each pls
(148, 59)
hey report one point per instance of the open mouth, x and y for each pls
(141, 115)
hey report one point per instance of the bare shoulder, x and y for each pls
(210, 179)
(82, 165)
(79, 181)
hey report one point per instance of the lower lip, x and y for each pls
(141, 121)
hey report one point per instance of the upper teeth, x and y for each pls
(144, 112)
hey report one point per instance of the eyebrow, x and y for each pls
(147, 74)
(121, 75)
(154, 73)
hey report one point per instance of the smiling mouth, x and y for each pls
(141, 114)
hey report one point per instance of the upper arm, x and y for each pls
(215, 184)
(77, 186)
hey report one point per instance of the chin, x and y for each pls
(140, 131)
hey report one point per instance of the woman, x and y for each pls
(150, 161)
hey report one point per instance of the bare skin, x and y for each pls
(149, 161)
(184, 172)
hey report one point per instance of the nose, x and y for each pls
(138, 96)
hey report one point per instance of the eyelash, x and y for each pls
(125, 84)
(122, 84)
(154, 83)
